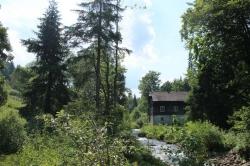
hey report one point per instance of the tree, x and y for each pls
(217, 36)
(92, 28)
(98, 28)
(8, 69)
(5, 48)
(135, 103)
(167, 86)
(149, 83)
(48, 90)
(180, 85)
(176, 85)
(20, 78)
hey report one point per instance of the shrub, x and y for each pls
(12, 131)
(239, 142)
(201, 138)
(239, 137)
(211, 136)
(194, 150)
(241, 120)
(139, 118)
(170, 134)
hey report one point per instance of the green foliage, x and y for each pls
(239, 138)
(91, 144)
(200, 140)
(197, 139)
(142, 157)
(4, 47)
(38, 150)
(166, 86)
(12, 130)
(132, 102)
(139, 118)
(20, 78)
(239, 142)
(149, 83)
(8, 69)
(241, 120)
(176, 85)
(3, 93)
(47, 91)
(217, 37)
(4, 42)
(71, 140)
(210, 135)
(170, 134)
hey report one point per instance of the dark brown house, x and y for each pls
(163, 105)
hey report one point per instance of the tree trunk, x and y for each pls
(116, 59)
(98, 59)
(47, 103)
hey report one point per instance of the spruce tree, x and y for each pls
(4, 49)
(48, 89)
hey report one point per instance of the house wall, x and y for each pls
(170, 108)
(158, 116)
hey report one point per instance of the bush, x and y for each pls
(211, 136)
(240, 142)
(241, 120)
(12, 131)
(170, 134)
(138, 118)
(239, 136)
(200, 140)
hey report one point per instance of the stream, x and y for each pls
(168, 153)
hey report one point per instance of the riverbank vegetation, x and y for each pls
(71, 105)
(200, 140)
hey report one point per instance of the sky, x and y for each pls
(152, 33)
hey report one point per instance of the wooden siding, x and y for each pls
(169, 108)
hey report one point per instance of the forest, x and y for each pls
(71, 105)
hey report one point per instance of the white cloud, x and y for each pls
(135, 22)
(148, 3)
(19, 52)
(21, 18)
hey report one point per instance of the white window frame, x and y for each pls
(162, 108)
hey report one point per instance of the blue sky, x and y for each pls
(152, 34)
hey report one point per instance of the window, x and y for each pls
(162, 108)
(176, 108)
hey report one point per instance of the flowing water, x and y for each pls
(168, 153)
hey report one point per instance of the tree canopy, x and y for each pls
(217, 36)
(48, 89)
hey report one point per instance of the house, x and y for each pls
(165, 106)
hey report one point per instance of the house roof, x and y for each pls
(168, 96)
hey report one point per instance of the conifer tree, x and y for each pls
(48, 89)
(4, 49)
(97, 26)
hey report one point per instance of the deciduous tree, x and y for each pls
(217, 35)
